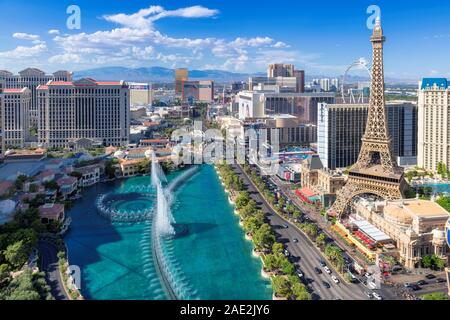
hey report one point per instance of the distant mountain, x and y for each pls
(158, 74)
(166, 75)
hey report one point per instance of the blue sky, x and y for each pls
(322, 37)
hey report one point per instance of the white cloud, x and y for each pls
(136, 40)
(65, 58)
(144, 18)
(21, 52)
(26, 36)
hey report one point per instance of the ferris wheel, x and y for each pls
(360, 64)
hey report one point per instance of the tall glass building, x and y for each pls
(342, 126)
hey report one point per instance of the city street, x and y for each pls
(305, 255)
(49, 264)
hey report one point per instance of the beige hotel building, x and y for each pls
(31, 78)
(83, 113)
(433, 120)
(14, 112)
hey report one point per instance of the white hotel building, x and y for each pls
(14, 107)
(31, 78)
(433, 119)
(83, 113)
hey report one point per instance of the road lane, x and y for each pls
(309, 255)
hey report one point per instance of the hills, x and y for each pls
(159, 74)
(166, 75)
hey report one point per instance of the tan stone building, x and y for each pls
(323, 182)
(416, 226)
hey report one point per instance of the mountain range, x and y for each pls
(166, 75)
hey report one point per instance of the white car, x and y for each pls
(327, 270)
(335, 279)
(368, 275)
(377, 296)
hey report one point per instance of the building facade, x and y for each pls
(256, 104)
(82, 113)
(181, 75)
(198, 91)
(15, 104)
(342, 126)
(280, 70)
(434, 129)
(417, 227)
(140, 94)
(31, 78)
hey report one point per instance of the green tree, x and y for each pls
(16, 254)
(300, 292)
(281, 287)
(242, 200)
(427, 262)
(264, 237)
(320, 240)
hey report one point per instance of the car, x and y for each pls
(326, 285)
(377, 296)
(286, 253)
(335, 279)
(430, 276)
(407, 285)
(415, 287)
(295, 240)
(368, 275)
(327, 270)
(422, 283)
(440, 280)
(300, 274)
(368, 294)
(322, 263)
(285, 226)
(317, 270)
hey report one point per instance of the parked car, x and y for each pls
(326, 285)
(286, 253)
(430, 276)
(322, 263)
(422, 283)
(295, 240)
(440, 280)
(300, 274)
(317, 270)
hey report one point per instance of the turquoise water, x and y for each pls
(212, 256)
(439, 187)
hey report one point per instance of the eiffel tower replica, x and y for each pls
(376, 171)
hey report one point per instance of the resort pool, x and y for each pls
(439, 187)
(211, 254)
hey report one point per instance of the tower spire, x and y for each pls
(376, 171)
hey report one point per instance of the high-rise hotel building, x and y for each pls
(14, 107)
(341, 127)
(434, 128)
(83, 113)
(31, 78)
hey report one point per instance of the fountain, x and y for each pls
(163, 218)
